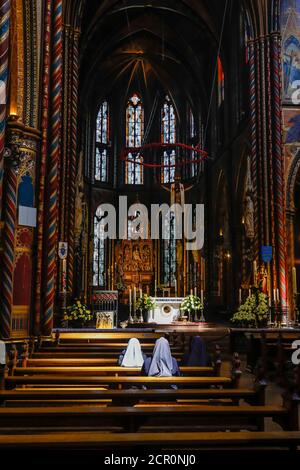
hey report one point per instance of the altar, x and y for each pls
(166, 311)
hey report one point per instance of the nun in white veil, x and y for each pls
(133, 355)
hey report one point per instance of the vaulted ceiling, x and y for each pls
(169, 44)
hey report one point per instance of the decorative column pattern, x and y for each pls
(9, 250)
(43, 164)
(279, 167)
(253, 105)
(73, 163)
(4, 46)
(267, 155)
(55, 142)
(270, 157)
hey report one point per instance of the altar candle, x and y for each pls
(249, 292)
(240, 296)
(294, 280)
(141, 293)
(278, 295)
(155, 287)
(274, 295)
(134, 296)
(195, 291)
(130, 299)
(202, 296)
(175, 287)
(191, 291)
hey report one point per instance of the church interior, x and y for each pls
(115, 334)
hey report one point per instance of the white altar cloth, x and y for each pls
(166, 311)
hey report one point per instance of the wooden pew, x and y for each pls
(53, 353)
(131, 396)
(104, 370)
(133, 419)
(71, 362)
(113, 381)
(94, 440)
(60, 337)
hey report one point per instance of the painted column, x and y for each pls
(4, 47)
(279, 168)
(53, 172)
(73, 162)
(43, 165)
(8, 259)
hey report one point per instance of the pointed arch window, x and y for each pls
(102, 144)
(134, 173)
(99, 254)
(168, 136)
(169, 253)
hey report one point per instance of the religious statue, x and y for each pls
(249, 217)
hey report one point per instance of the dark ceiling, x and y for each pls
(166, 45)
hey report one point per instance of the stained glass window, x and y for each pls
(169, 253)
(221, 84)
(168, 136)
(134, 138)
(102, 143)
(192, 141)
(99, 255)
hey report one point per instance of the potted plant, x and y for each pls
(145, 304)
(191, 303)
(254, 311)
(78, 314)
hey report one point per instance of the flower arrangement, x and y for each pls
(253, 311)
(145, 303)
(78, 312)
(190, 303)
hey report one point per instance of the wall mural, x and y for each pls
(290, 30)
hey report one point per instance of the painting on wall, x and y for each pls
(290, 30)
(291, 126)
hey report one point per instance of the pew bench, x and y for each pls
(130, 396)
(113, 381)
(154, 418)
(94, 440)
(103, 370)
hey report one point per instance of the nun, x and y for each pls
(197, 356)
(161, 363)
(133, 355)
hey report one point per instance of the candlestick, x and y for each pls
(155, 288)
(240, 296)
(278, 298)
(141, 293)
(249, 292)
(274, 296)
(202, 296)
(195, 291)
(294, 274)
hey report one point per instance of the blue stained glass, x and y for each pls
(99, 258)
(102, 143)
(168, 136)
(102, 124)
(134, 139)
(101, 164)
